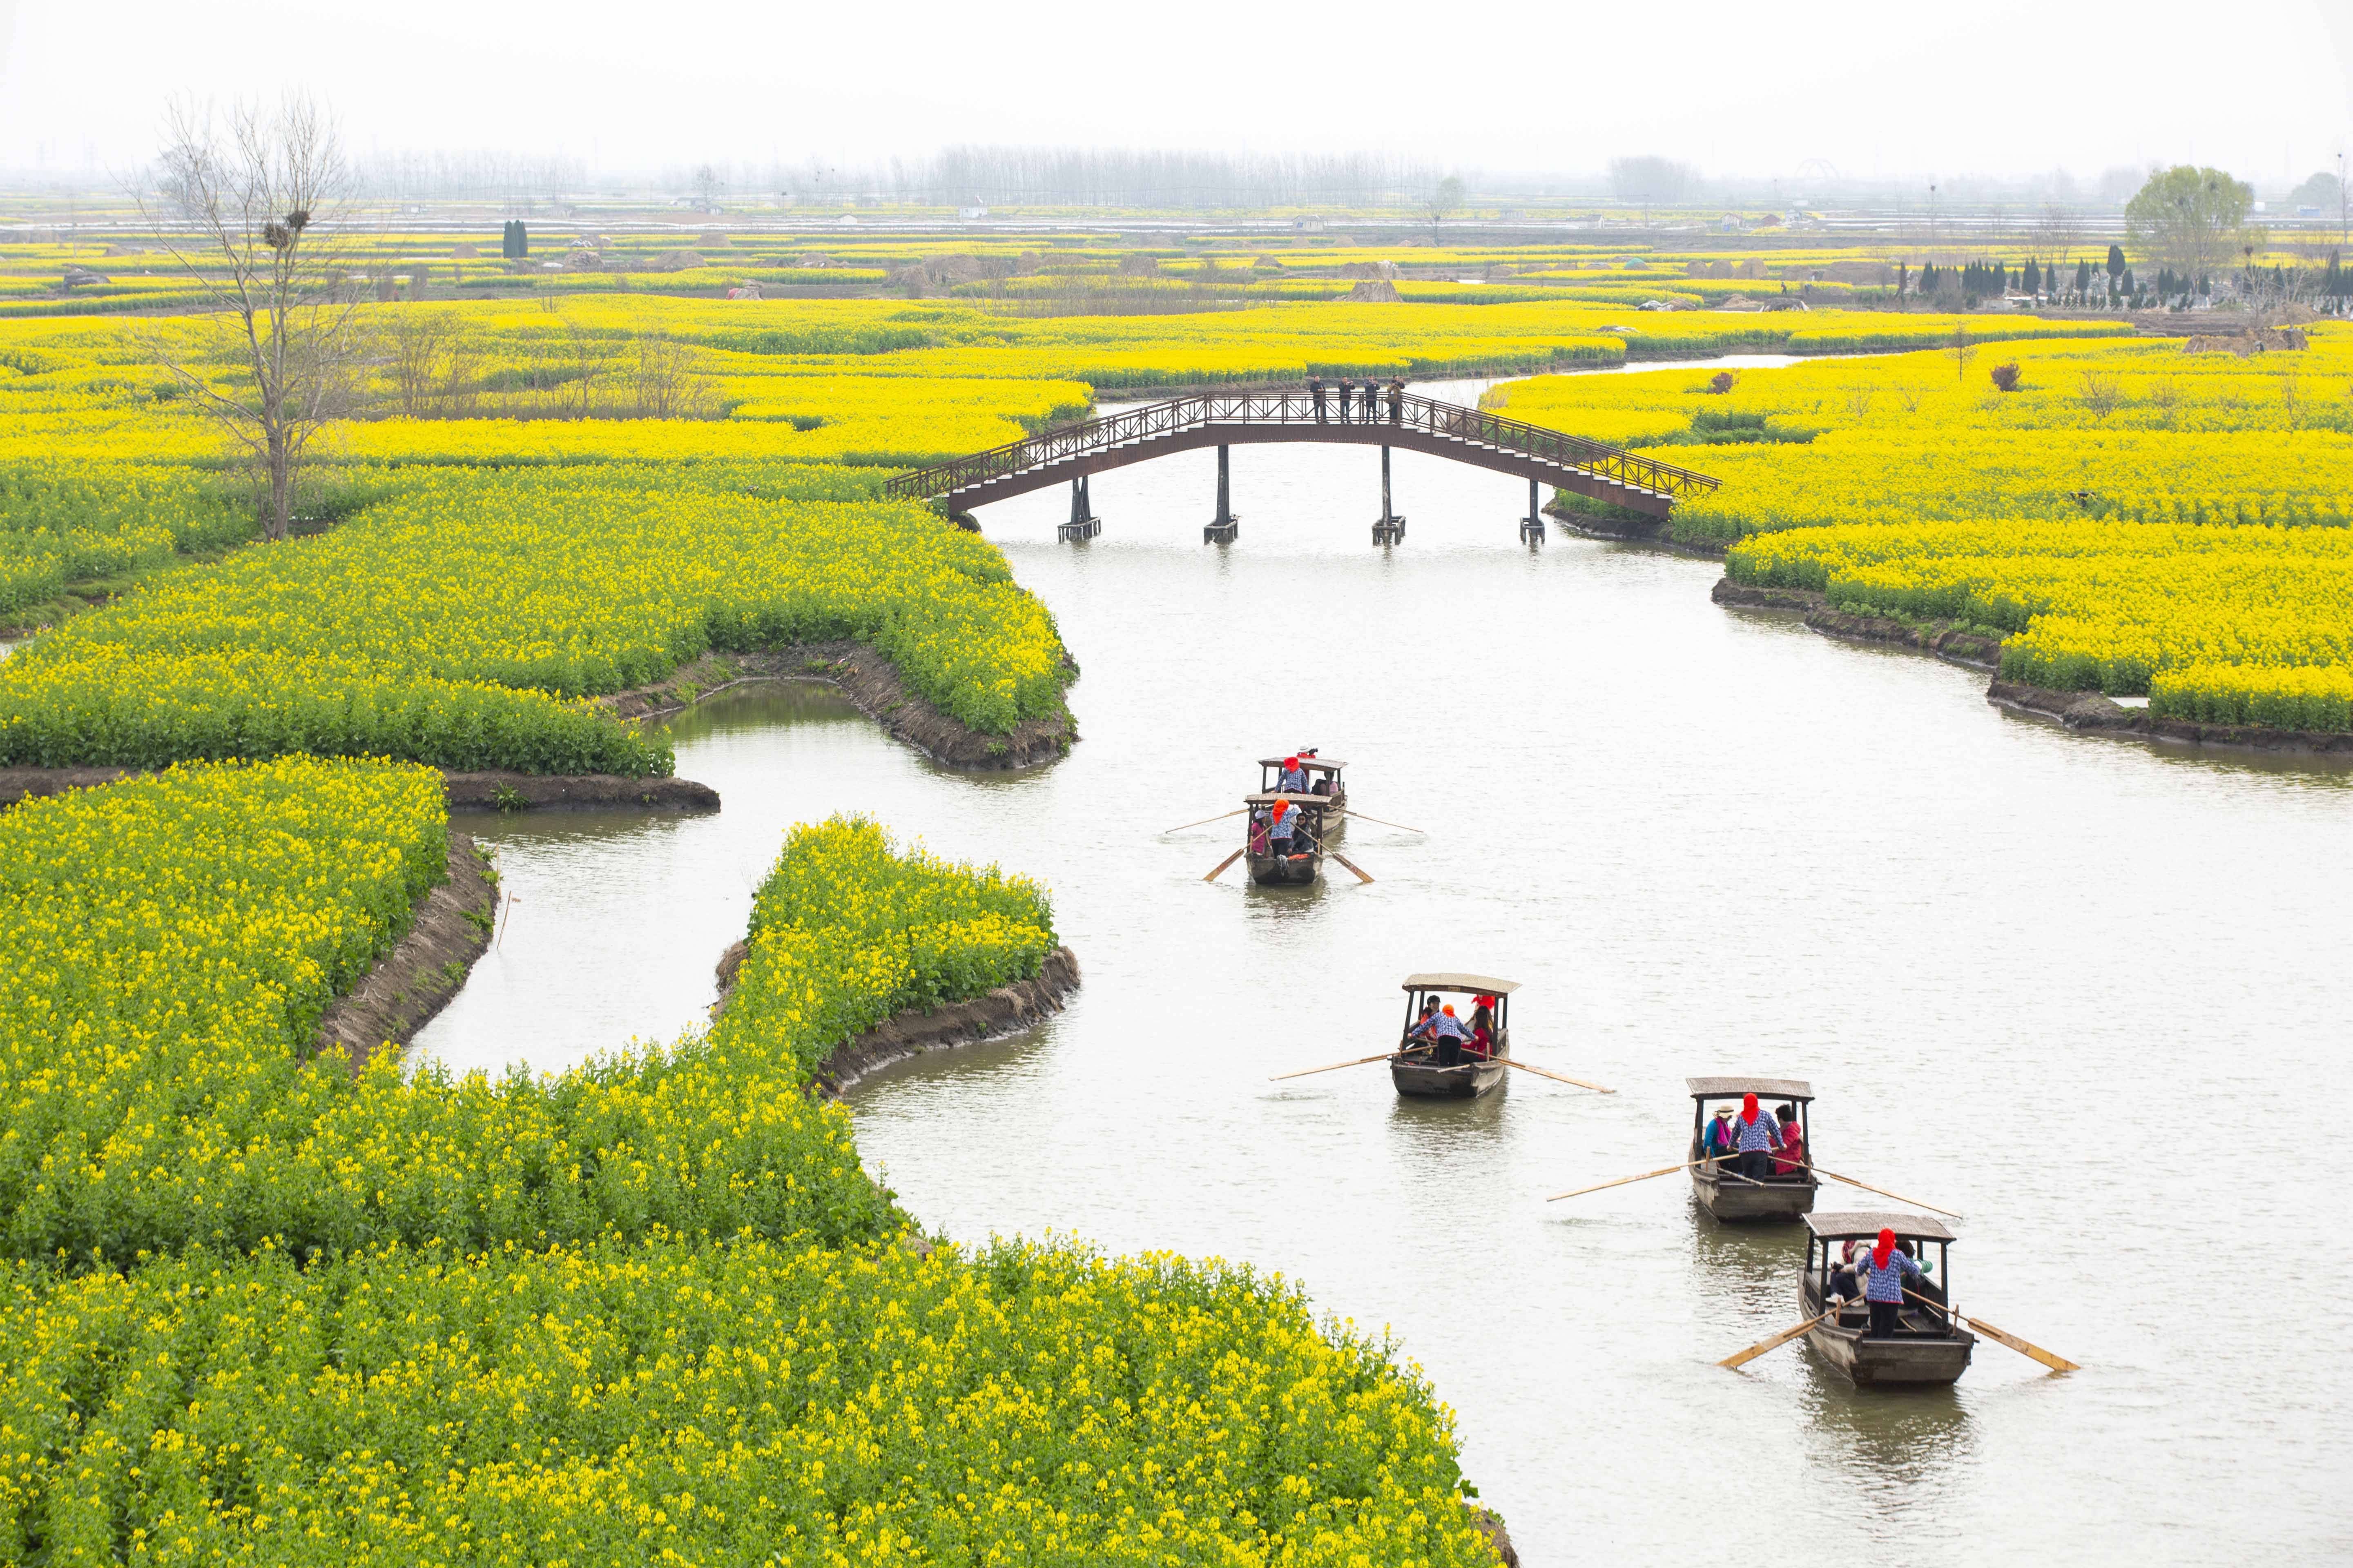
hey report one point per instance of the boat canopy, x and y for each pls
(1762, 1088)
(1838, 1225)
(1320, 801)
(1472, 983)
(1308, 765)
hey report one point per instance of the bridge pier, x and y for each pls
(1532, 527)
(1084, 524)
(1223, 528)
(1390, 528)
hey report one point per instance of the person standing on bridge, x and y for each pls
(1397, 400)
(1315, 391)
(1372, 400)
(1347, 390)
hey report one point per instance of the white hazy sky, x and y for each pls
(2262, 86)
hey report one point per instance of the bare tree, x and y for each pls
(664, 379)
(1444, 201)
(2056, 232)
(414, 343)
(259, 207)
(707, 186)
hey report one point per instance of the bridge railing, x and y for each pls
(1427, 416)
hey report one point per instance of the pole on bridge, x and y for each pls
(1391, 529)
(1226, 526)
(1532, 527)
(1084, 524)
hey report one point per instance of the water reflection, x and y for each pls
(1897, 1448)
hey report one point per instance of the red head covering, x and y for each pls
(1291, 762)
(1282, 805)
(1450, 1009)
(1749, 1108)
(1886, 1245)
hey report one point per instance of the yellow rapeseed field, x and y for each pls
(270, 1308)
(2141, 520)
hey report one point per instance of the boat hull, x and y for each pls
(1419, 1079)
(1285, 871)
(1908, 1360)
(1734, 1201)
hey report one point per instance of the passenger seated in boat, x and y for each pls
(1482, 1029)
(1323, 785)
(1845, 1283)
(1420, 1031)
(1718, 1142)
(1293, 780)
(1257, 833)
(1791, 1161)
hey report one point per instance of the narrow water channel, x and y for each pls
(2089, 995)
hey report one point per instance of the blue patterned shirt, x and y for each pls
(1886, 1284)
(1762, 1134)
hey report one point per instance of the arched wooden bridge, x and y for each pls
(1071, 452)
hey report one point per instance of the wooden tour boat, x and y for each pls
(1305, 863)
(1927, 1348)
(1722, 1192)
(1446, 1070)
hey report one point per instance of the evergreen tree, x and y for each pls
(2084, 276)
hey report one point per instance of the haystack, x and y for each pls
(672, 261)
(1374, 292)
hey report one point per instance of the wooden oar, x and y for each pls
(1667, 1171)
(1207, 820)
(1362, 876)
(1222, 865)
(1867, 1187)
(2034, 1351)
(1401, 826)
(1360, 1062)
(1543, 1072)
(1743, 1358)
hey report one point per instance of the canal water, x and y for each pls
(2090, 994)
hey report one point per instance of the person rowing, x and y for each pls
(1282, 826)
(1755, 1135)
(1444, 1030)
(1884, 1270)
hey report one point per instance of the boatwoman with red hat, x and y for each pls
(1885, 1269)
(1294, 779)
(1756, 1136)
